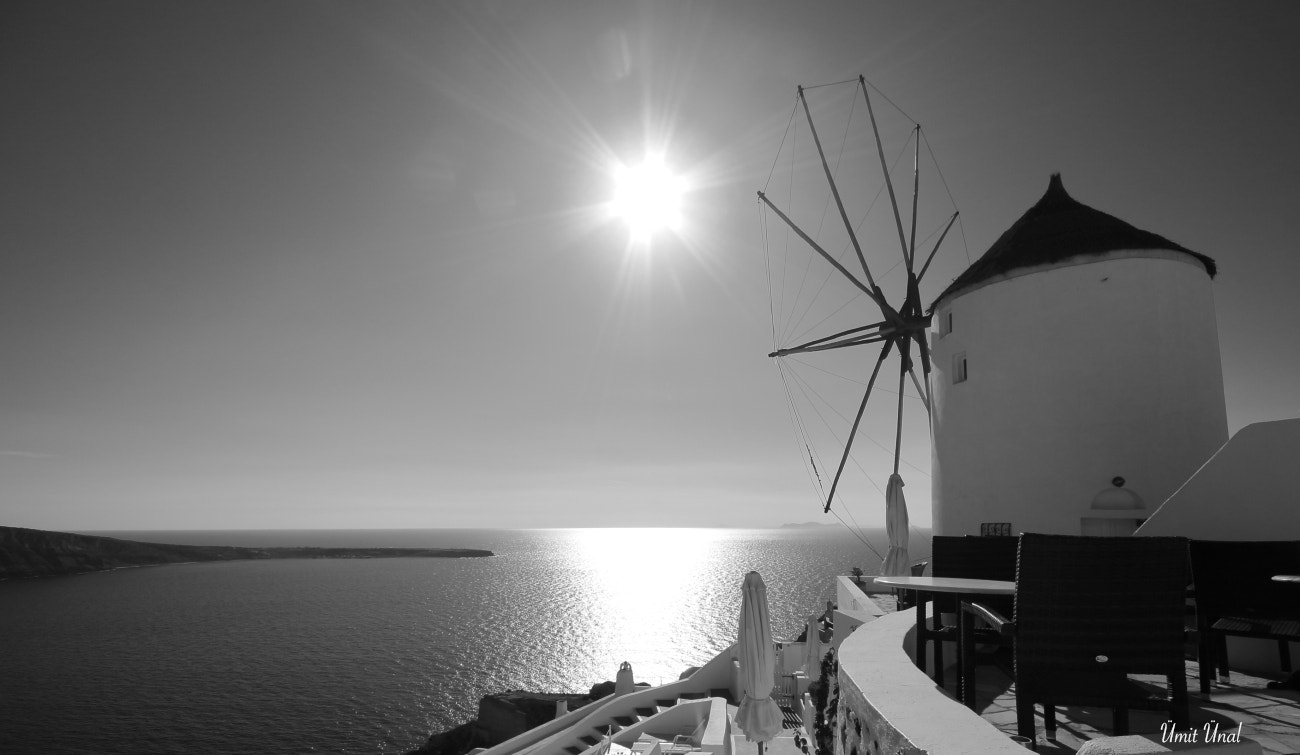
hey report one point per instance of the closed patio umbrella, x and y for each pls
(759, 716)
(896, 559)
(813, 649)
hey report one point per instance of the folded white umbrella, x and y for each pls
(896, 559)
(759, 715)
(812, 660)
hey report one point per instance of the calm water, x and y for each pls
(371, 656)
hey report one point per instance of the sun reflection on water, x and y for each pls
(645, 583)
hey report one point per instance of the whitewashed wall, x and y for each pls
(1077, 373)
(1249, 490)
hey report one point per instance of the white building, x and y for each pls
(1077, 380)
(1248, 490)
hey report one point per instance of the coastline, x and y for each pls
(27, 553)
(314, 654)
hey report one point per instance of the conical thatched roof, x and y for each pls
(1058, 228)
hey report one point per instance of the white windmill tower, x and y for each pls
(1077, 382)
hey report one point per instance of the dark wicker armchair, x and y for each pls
(970, 557)
(1235, 595)
(1089, 612)
(907, 598)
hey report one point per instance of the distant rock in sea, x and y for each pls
(40, 553)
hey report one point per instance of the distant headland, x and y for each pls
(40, 553)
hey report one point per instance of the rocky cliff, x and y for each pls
(40, 553)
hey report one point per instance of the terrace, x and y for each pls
(888, 705)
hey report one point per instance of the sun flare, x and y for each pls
(648, 197)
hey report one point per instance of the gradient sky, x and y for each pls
(343, 265)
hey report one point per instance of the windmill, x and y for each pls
(896, 325)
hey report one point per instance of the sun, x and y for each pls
(648, 197)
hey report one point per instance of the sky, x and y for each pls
(317, 265)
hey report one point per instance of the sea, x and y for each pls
(374, 655)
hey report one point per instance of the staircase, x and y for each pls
(597, 731)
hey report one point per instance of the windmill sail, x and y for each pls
(850, 329)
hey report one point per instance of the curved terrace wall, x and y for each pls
(890, 707)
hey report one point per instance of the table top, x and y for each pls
(1286, 578)
(951, 584)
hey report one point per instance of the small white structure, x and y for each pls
(1249, 490)
(1077, 378)
(623, 681)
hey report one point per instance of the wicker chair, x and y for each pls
(1089, 612)
(907, 598)
(988, 557)
(1235, 595)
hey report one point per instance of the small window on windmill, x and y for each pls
(945, 322)
(959, 367)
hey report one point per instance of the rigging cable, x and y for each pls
(806, 389)
(794, 412)
(767, 245)
(801, 433)
(891, 102)
(794, 148)
(791, 321)
(935, 161)
(777, 159)
(831, 84)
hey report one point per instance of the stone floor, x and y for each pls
(1269, 717)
